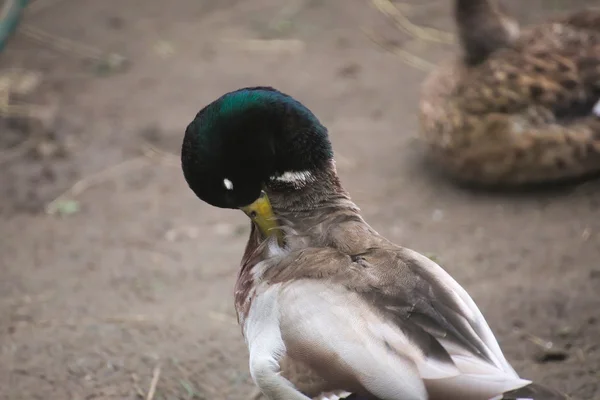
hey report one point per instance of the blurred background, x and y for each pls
(117, 283)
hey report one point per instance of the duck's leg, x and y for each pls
(266, 347)
(265, 374)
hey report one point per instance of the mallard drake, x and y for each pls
(516, 107)
(325, 303)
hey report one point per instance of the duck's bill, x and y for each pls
(261, 213)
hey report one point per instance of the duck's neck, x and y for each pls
(483, 28)
(305, 191)
(317, 210)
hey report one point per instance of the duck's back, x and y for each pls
(523, 112)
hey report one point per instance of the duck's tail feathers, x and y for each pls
(483, 27)
(532, 392)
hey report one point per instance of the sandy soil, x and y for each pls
(134, 275)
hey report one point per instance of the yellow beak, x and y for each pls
(261, 213)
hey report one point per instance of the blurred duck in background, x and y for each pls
(517, 107)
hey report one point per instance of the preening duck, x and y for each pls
(327, 306)
(516, 107)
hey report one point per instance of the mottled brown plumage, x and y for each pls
(516, 108)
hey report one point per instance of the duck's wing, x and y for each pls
(389, 321)
(424, 297)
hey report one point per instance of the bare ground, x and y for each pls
(133, 276)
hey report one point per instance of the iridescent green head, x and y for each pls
(247, 140)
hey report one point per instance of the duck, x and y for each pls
(516, 107)
(328, 307)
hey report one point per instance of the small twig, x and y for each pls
(268, 45)
(430, 34)
(22, 110)
(153, 152)
(41, 5)
(92, 180)
(149, 152)
(221, 317)
(580, 355)
(127, 319)
(62, 44)
(538, 341)
(409, 58)
(153, 383)
(136, 386)
(68, 46)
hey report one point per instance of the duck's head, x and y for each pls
(248, 141)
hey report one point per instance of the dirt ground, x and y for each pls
(132, 277)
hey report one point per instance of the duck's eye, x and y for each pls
(252, 214)
(228, 184)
